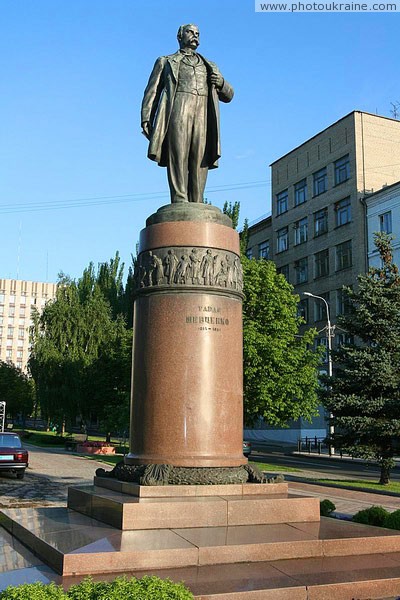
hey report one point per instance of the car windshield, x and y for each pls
(10, 441)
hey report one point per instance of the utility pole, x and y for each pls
(330, 332)
(2, 415)
(395, 111)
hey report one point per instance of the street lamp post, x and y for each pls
(330, 329)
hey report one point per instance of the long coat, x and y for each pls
(158, 101)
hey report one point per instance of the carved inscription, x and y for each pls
(189, 267)
(208, 318)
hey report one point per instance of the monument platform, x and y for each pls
(237, 542)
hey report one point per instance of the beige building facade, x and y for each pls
(317, 235)
(18, 299)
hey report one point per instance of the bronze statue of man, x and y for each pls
(180, 116)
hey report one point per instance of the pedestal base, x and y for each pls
(155, 474)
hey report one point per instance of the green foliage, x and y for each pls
(147, 588)
(232, 210)
(244, 238)
(364, 394)
(33, 591)
(121, 588)
(280, 368)
(81, 346)
(375, 515)
(16, 389)
(392, 520)
(326, 507)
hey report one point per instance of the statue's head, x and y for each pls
(188, 36)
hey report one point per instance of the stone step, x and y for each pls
(171, 491)
(364, 577)
(73, 544)
(131, 512)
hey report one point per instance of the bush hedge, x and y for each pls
(121, 588)
(392, 520)
(375, 515)
(326, 507)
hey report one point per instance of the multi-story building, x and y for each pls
(17, 300)
(317, 234)
(383, 214)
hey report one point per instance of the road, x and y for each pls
(46, 480)
(312, 464)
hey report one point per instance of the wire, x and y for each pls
(102, 200)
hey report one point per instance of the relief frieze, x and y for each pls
(187, 267)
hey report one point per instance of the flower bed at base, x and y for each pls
(95, 448)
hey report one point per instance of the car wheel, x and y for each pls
(21, 474)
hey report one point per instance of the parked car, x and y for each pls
(246, 448)
(13, 457)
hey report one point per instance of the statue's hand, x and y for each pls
(217, 80)
(147, 129)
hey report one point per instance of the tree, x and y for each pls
(232, 210)
(280, 369)
(80, 358)
(16, 390)
(364, 394)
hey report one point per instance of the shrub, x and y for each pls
(375, 515)
(326, 507)
(392, 520)
(147, 588)
(33, 591)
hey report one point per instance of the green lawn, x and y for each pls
(362, 484)
(47, 439)
(273, 468)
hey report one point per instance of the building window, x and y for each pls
(19, 364)
(300, 192)
(8, 353)
(320, 181)
(11, 311)
(320, 313)
(284, 270)
(23, 300)
(342, 169)
(249, 253)
(10, 331)
(282, 239)
(1, 298)
(344, 339)
(385, 222)
(282, 202)
(320, 222)
(22, 311)
(300, 231)
(263, 250)
(343, 212)
(301, 269)
(302, 309)
(343, 256)
(342, 303)
(21, 333)
(321, 263)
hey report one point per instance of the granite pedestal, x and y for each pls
(187, 390)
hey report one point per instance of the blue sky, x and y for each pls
(72, 79)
